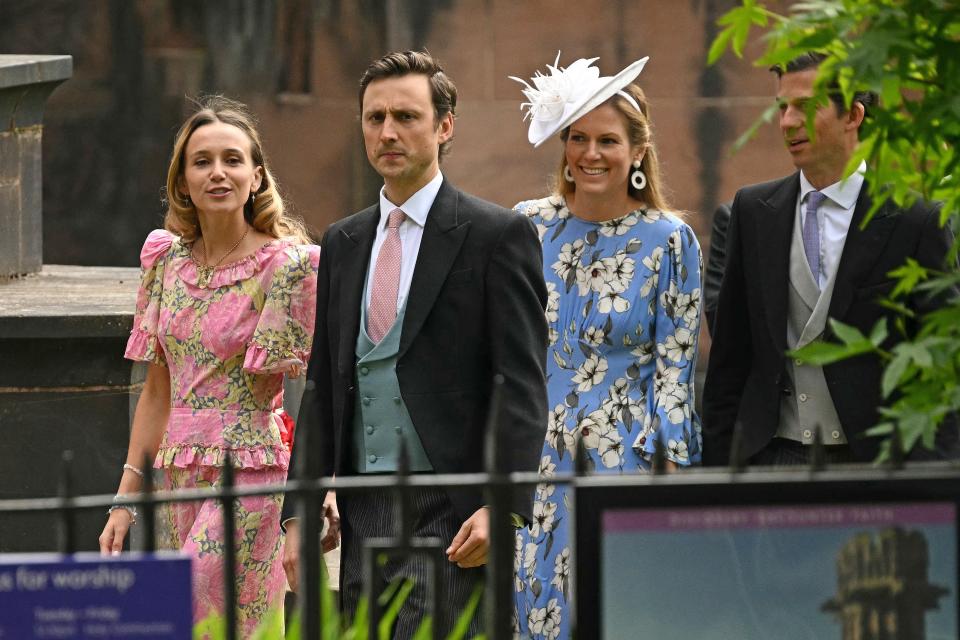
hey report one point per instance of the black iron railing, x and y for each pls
(497, 484)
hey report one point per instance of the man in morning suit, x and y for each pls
(797, 255)
(422, 299)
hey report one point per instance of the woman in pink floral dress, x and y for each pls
(225, 309)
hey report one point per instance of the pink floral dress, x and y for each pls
(227, 335)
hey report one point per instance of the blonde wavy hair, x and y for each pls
(639, 133)
(265, 213)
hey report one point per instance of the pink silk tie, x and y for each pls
(386, 280)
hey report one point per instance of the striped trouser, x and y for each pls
(372, 514)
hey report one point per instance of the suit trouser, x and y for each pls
(372, 514)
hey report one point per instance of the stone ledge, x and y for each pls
(69, 302)
(18, 70)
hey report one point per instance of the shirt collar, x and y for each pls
(844, 193)
(417, 206)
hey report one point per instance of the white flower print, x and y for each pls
(547, 468)
(619, 269)
(622, 403)
(530, 559)
(679, 346)
(674, 242)
(688, 307)
(590, 373)
(544, 513)
(561, 569)
(547, 212)
(535, 620)
(676, 405)
(553, 303)
(644, 352)
(551, 626)
(651, 262)
(569, 260)
(665, 378)
(611, 300)
(557, 435)
(595, 277)
(518, 561)
(669, 300)
(619, 226)
(544, 490)
(678, 450)
(594, 336)
(598, 431)
(650, 215)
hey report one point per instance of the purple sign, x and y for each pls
(732, 518)
(90, 596)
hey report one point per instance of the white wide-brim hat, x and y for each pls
(558, 100)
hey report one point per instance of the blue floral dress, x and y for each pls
(624, 316)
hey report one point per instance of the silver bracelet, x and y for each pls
(136, 470)
(129, 508)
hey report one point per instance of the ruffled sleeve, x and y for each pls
(143, 344)
(284, 333)
(677, 329)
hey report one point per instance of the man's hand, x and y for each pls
(291, 548)
(469, 547)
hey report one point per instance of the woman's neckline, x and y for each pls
(639, 207)
(232, 263)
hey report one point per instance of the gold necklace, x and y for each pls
(224, 256)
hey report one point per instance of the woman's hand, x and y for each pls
(114, 532)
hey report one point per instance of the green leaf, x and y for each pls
(385, 627)
(893, 373)
(820, 353)
(849, 335)
(882, 429)
(879, 332)
(719, 46)
(466, 616)
(765, 118)
(909, 275)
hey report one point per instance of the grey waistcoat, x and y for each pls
(380, 416)
(810, 403)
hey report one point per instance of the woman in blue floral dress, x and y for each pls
(623, 275)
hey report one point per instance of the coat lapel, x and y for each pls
(357, 236)
(443, 235)
(861, 250)
(774, 230)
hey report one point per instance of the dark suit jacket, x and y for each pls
(475, 309)
(716, 260)
(747, 370)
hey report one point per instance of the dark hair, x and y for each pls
(401, 63)
(266, 214)
(812, 60)
(639, 134)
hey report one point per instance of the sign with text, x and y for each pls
(132, 596)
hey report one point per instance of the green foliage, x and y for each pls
(907, 51)
(391, 600)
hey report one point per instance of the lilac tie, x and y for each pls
(811, 234)
(386, 280)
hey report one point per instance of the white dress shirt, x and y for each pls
(833, 217)
(416, 209)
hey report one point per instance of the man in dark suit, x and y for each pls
(796, 256)
(421, 300)
(716, 262)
